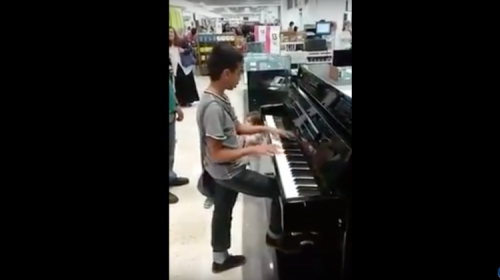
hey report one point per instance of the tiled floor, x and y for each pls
(190, 251)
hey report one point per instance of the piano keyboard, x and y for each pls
(296, 177)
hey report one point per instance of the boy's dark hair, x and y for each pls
(223, 56)
(254, 118)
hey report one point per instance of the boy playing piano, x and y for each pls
(252, 118)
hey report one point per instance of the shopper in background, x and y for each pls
(226, 27)
(346, 36)
(343, 38)
(221, 158)
(183, 63)
(191, 36)
(174, 114)
(290, 26)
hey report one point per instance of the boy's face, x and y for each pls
(232, 78)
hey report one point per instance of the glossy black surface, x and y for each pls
(342, 58)
(321, 118)
(323, 147)
(266, 87)
(336, 105)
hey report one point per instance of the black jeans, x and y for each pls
(226, 191)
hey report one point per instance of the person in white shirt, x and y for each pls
(344, 40)
(185, 85)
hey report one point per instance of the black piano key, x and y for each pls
(308, 191)
(299, 181)
(292, 157)
(301, 173)
(307, 188)
(310, 194)
(298, 164)
(295, 158)
(290, 145)
(291, 148)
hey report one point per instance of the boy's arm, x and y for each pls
(214, 134)
(221, 154)
(246, 129)
(255, 139)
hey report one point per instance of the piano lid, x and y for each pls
(335, 102)
(327, 150)
(322, 71)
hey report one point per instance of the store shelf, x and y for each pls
(205, 43)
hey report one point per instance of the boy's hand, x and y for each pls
(180, 114)
(277, 133)
(265, 149)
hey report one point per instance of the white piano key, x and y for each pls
(289, 186)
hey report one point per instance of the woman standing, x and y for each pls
(182, 60)
(345, 38)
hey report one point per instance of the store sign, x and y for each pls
(270, 36)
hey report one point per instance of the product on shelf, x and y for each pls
(292, 41)
(205, 43)
(291, 36)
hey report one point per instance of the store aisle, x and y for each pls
(190, 251)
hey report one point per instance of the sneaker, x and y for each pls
(179, 181)
(281, 244)
(230, 263)
(208, 203)
(172, 198)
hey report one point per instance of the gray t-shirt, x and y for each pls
(218, 122)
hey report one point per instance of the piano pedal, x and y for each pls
(306, 242)
(304, 238)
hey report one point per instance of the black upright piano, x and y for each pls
(314, 174)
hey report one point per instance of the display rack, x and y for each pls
(293, 45)
(292, 41)
(304, 57)
(205, 43)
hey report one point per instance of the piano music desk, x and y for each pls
(323, 70)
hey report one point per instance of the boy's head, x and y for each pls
(225, 65)
(254, 118)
